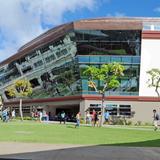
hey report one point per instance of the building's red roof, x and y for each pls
(85, 97)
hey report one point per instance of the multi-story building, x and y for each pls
(54, 63)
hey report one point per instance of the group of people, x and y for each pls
(40, 115)
(63, 118)
(94, 117)
(6, 115)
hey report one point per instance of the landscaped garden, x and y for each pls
(68, 134)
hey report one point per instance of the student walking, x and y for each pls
(155, 119)
(106, 117)
(96, 119)
(93, 117)
(88, 118)
(78, 117)
(62, 117)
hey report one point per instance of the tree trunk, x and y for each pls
(102, 111)
(157, 91)
(20, 109)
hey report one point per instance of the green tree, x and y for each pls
(154, 79)
(67, 78)
(108, 74)
(20, 89)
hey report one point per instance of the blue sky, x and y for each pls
(23, 20)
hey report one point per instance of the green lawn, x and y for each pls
(67, 134)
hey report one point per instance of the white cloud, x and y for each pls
(116, 14)
(22, 20)
(157, 9)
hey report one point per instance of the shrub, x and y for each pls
(138, 123)
(82, 121)
(129, 122)
(27, 118)
(148, 124)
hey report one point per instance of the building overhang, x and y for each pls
(77, 99)
(151, 35)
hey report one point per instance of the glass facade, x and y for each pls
(56, 69)
(101, 47)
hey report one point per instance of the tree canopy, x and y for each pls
(154, 79)
(107, 73)
(20, 88)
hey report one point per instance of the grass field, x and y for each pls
(67, 134)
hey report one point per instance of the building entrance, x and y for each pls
(70, 112)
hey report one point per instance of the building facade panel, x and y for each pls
(149, 59)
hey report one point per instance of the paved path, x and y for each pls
(20, 147)
(33, 151)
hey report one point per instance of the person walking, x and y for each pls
(78, 117)
(13, 114)
(88, 118)
(155, 119)
(93, 117)
(96, 119)
(106, 117)
(62, 117)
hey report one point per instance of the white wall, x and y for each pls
(143, 110)
(150, 58)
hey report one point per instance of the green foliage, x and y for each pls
(108, 74)
(154, 79)
(129, 122)
(138, 123)
(148, 124)
(20, 88)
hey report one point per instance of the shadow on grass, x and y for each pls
(70, 126)
(149, 143)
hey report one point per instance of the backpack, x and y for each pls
(157, 117)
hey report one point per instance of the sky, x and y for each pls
(23, 20)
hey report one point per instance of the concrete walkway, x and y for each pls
(33, 151)
(19, 147)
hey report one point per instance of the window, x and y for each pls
(125, 110)
(108, 42)
(34, 82)
(38, 63)
(50, 58)
(2, 70)
(147, 27)
(44, 49)
(112, 108)
(32, 55)
(96, 107)
(157, 27)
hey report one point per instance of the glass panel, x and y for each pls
(157, 27)
(112, 108)
(147, 27)
(136, 60)
(115, 59)
(94, 59)
(83, 58)
(127, 59)
(125, 110)
(61, 78)
(108, 42)
(105, 59)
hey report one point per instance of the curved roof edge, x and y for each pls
(108, 23)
